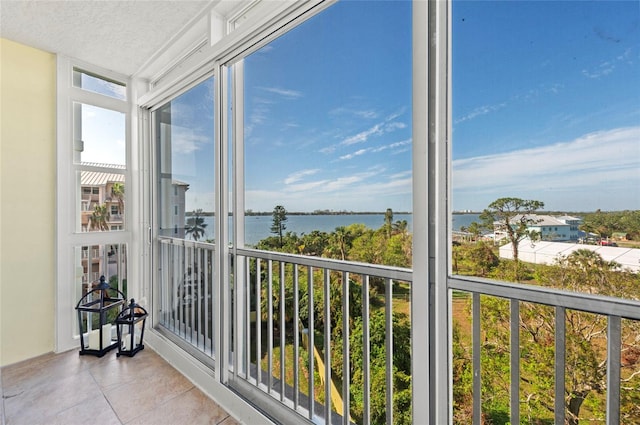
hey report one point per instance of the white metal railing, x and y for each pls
(281, 301)
(265, 317)
(186, 292)
(611, 309)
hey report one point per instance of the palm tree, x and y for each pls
(117, 191)
(196, 225)
(400, 226)
(99, 218)
(340, 241)
(388, 220)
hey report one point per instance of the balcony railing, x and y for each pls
(297, 326)
(187, 292)
(280, 303)
(611, 310)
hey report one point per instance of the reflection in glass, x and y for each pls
(98, 84)
(185, 140)
(93, 261)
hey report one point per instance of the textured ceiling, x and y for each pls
(116, 35)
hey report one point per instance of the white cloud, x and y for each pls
(288, 93)
(367, 190)
(305, 187)
(360, 113)
(595, 162)
(328, 149)
(186, 141)
(363, 136)
(394, 126)
(601, 70)
(394, 145)
(387, 126)
(354, 154)
(479, 111)
(299, 175)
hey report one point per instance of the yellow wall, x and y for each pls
(27, 201)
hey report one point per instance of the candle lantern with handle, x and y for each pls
(130, 328)
(96, 312)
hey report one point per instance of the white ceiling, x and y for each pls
(117, 35)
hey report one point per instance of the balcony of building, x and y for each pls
(238, 334)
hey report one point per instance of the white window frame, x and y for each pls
(431, 326)
(69, 192)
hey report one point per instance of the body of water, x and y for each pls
(258, 227)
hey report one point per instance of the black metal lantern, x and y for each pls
(96, 312)
(130, 328)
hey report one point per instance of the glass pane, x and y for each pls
(100, 85)
(185, 136)
(328, 127)
(101, 201)
(100, 136)
(328, 172)
(546, 113)
(94, 261)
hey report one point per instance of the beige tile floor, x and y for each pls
(71, 389)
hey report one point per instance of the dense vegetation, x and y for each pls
(391, 245)
(583, 271)
(606, 224)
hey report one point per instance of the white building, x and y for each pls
(547, 252)
(550, 228)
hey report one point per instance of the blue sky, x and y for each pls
(545, 106)
(546, 103)
(328, 113)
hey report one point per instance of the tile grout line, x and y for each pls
(164, 402)
(104, 396)
(2, 418)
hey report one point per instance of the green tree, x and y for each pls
(475, 229)
(388, 221)
(339, 243)
(196, 225)
(99, 218)
(278, 222)
(585, 355)
(117, 191)
(514, 217)
(401, 354)
(314, 243)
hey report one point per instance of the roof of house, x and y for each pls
(96, 178)
(544, 220)
(546, 252)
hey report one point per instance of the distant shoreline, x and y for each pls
(268, 213)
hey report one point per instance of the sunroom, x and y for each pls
(176, 148)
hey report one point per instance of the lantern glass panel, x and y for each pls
(91, 261)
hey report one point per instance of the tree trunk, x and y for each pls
(573, 408)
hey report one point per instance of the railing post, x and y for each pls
(613, 369)
(515, 361)
(560, 347)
